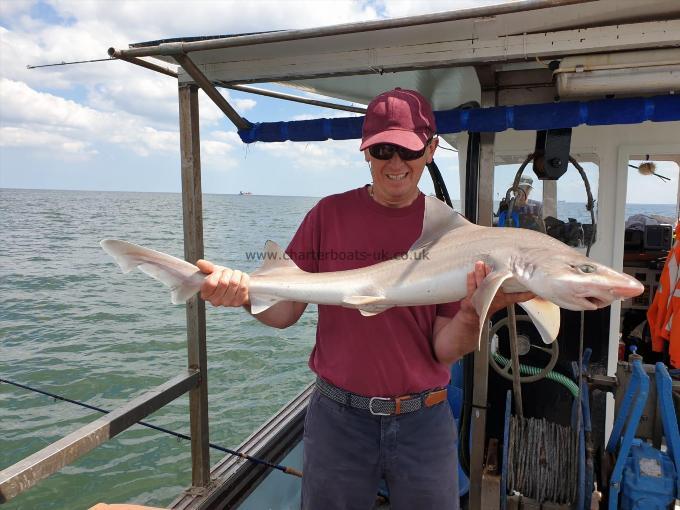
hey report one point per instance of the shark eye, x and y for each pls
(586, 268)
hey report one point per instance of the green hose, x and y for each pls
(529, 370)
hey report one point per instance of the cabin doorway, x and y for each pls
(651, 212)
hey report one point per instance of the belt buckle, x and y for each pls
(370, 406)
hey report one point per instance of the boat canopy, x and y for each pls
(454, 59)
(533, 117)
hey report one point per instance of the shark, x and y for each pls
(433, 271)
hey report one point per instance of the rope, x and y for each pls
(542, 460)
(285, 469)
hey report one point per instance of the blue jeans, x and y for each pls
(347, 452)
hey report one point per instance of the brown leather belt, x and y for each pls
(382, 406)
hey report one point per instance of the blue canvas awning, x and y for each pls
(534, 117)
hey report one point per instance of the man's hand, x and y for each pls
(500, 300)
(224, 286)
(454, 338)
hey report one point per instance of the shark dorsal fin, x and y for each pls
(439, 218)
(275, 260)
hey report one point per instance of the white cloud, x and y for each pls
(149, 19)
(230, 137)
(26, 110)
(321, 156)
(326, 113)
(93, 110)
(243, 105)
(10, 8)
(49, 142)
(115, 102)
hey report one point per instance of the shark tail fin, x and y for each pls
(183, 278)
(275, 263)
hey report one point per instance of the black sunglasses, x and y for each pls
(385, 151)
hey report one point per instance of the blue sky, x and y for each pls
(113, 126)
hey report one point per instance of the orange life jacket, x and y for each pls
(660, 316)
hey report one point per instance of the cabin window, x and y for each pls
(561, 204)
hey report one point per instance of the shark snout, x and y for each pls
(628, 289)
(593, 295)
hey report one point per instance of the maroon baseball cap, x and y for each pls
(402, 117)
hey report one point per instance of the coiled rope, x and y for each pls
(543, 460)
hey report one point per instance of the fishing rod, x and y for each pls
(71, 63)
(285, 469)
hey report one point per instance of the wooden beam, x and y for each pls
(210, 90)
(192, 206)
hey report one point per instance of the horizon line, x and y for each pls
(252, 194)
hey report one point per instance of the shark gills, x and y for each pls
(434, 271)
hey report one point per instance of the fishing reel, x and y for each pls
(528, 342)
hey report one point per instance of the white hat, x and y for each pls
(526, 182)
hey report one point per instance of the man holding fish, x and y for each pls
(388, 330)
(380, 410)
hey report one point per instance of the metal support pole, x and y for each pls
(193, 250)
(211, 91)
(514, 359)
(486, 174)
(291, 97)
(481, 363)
(549, 199)
(144, 63)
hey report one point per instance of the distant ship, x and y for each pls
(245, 193)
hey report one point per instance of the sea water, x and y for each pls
(71, 323)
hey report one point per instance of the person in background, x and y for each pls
(379, 410)
(526, 213)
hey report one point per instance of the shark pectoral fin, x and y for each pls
(368, 306)
(357, 301)
(373, 311)
(485, 293)
(260, 303)
(545, 316)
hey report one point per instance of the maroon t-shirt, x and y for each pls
(389, 354)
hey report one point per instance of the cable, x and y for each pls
(285, 469)
(471, 193)
(531, 370)
(438, 181)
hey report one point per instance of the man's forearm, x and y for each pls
(281, 315)
(456, 338)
